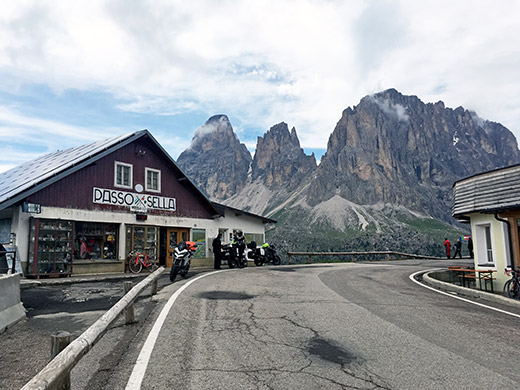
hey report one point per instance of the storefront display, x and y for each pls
(95, 241)
(50, 249)
(143, 239)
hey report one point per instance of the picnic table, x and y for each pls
(467, 274)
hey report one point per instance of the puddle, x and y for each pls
(225, 295)
(330, 352)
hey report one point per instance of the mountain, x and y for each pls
(216, 160)
(385, 181)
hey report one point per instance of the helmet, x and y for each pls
(240, 233)
(191, 245)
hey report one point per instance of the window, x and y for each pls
(95, 241)
(484, 245)
(199, 236)
(123, 175)
(153, 180)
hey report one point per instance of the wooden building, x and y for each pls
(490, 201)
(84, 209)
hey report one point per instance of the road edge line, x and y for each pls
(412, 278)
(141, 364)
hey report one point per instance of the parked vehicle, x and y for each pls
(182, 259)
(263, 255)
(231, 255)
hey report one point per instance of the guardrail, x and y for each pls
(57, 371)
(354, 254)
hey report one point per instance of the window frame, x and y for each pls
(158, 171)
(131, 175)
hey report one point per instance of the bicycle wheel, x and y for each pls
(135, 265)
(512, 289)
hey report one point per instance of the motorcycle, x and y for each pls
(231, 254)
(182, 259)
(263, 255)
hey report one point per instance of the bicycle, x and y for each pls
(512, 286)
(138, 261)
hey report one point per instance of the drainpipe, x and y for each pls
(510, 241)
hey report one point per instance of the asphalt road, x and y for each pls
(333, 326)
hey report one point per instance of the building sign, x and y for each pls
(136, 202)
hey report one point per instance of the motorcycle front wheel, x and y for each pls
(184, 271)
(232, 263)
(277, 260)
(258, 262)
(173, 272)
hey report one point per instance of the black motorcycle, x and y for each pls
(182, 259)
(231, 254)
(263, 255)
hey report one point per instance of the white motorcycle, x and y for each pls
(182, 259)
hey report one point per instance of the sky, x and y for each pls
(74, 72)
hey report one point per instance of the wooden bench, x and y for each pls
(474, 274)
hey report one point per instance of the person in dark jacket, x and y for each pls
(447, 245)
(217, 251)
(458, 246)
(470, 247)
(3, 260)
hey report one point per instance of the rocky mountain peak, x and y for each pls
(279, 159)
(216, 160)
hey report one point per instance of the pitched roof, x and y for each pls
(222, 208)
(30, 177)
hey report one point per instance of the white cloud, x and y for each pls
(302, 62)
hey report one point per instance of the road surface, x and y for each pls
(341, 326)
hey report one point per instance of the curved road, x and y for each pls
(331, 326)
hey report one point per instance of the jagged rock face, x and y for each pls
(216, 161)
(279, 160)
(395, 149)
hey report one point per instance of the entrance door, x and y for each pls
(174, 236)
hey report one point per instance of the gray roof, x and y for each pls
(32, 173)
(496, 190)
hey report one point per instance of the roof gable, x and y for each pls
(33, 176)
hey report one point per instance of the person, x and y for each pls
(240, 242)
(458, 246)
(217, 251)
(3, 260)
(470, 247)
(447, 245)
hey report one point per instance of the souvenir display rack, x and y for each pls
(50, 247)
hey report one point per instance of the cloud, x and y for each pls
(302, 62)
(395, 109)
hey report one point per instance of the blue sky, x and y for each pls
(76, 72)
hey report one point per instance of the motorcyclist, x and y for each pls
(239, 241)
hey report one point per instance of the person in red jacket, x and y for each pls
(447, 244)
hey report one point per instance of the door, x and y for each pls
(173, 237)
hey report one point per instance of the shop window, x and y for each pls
(50, 247)
(95, 241)
(123, 175)
(199, 237)
(143, 239)
(153, 180)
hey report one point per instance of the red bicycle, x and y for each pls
(138, 261)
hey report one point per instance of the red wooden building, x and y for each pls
(85, 209)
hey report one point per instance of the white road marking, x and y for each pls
(412, 278)
(141, 364)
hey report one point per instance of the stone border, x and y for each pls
(468, 291)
